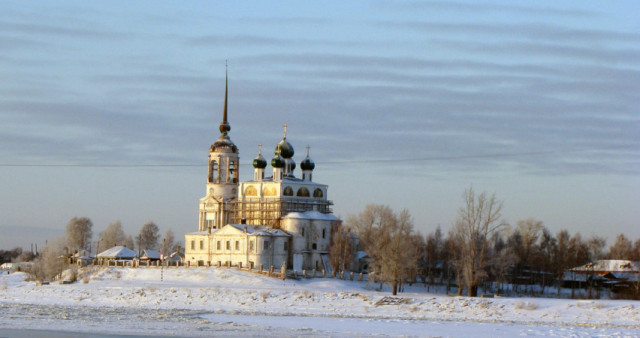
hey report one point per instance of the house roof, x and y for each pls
(118, 252)
(610, 265)
(151, 254)
(83, 254)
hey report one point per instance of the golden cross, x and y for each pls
(285, 130)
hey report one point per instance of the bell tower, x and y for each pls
(216, 207)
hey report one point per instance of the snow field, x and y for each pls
(222, 292)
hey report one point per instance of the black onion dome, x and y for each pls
(259, 162)
(277, 161)
(285, 148)
(307, 164)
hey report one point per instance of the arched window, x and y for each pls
(318, 193)
(288, 191)
(213, 167)
(214, 172)
(250, 191)
(303, 192)
(270, 191)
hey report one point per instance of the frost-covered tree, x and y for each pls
(622, 248)
(478, 219)
(79, 233)
(387, 238)
(148, 237)
(112, 236)
(168, 244)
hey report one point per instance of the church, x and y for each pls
(269, 220)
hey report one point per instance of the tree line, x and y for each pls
(480, 250)
(78, 237)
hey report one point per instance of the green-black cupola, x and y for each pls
(285, 149)
(277, 162)
(307, 165)
(259, 163)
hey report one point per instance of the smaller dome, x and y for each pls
(292, 164)
(285, 148)
(259, 162)
(277, 161)
(307, 164)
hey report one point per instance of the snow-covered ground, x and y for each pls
(212, 301)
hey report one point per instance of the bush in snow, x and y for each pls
(526, 306)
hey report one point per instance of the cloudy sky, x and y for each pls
(107, 109)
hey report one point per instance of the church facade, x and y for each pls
(269, 220)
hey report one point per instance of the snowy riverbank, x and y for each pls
(206, 298)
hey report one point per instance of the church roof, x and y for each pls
(201, 232)
(259, 230)
(311, 215)
(289, 179)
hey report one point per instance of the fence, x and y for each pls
(262, 270)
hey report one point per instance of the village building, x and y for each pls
(611, 273)
(117, 253)
(271, 220)
(150, 256)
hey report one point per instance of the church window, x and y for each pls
(232, 168)
(324, 231)
(318, 193)
(193, 245)
(228, 245)
(250, 191)
(314, 246)
(214, 171)
(286, 246)
(288, 191)
(303, 192)
(270, 191)
(302, 231)
(201, 245)
(251, 246)
(237, 245)
(267, 244)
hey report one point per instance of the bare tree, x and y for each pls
(387, 238)
(396, 257)
(52, 260)
(636, 252)
(79, 233)
(128, 242)
(367, 225)
(622, 248)
(148, 237)
(112, 236)
(433, 248)
(342, 248)
(478, 218)
(169, 244)
(596, 246)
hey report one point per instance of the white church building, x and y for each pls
(270, 220)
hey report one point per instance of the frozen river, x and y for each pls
(18, 320)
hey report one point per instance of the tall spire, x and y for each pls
(224, 126)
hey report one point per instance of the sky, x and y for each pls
(108, 109)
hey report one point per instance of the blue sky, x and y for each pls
(403, 103)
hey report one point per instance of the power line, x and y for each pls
(411, 159)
